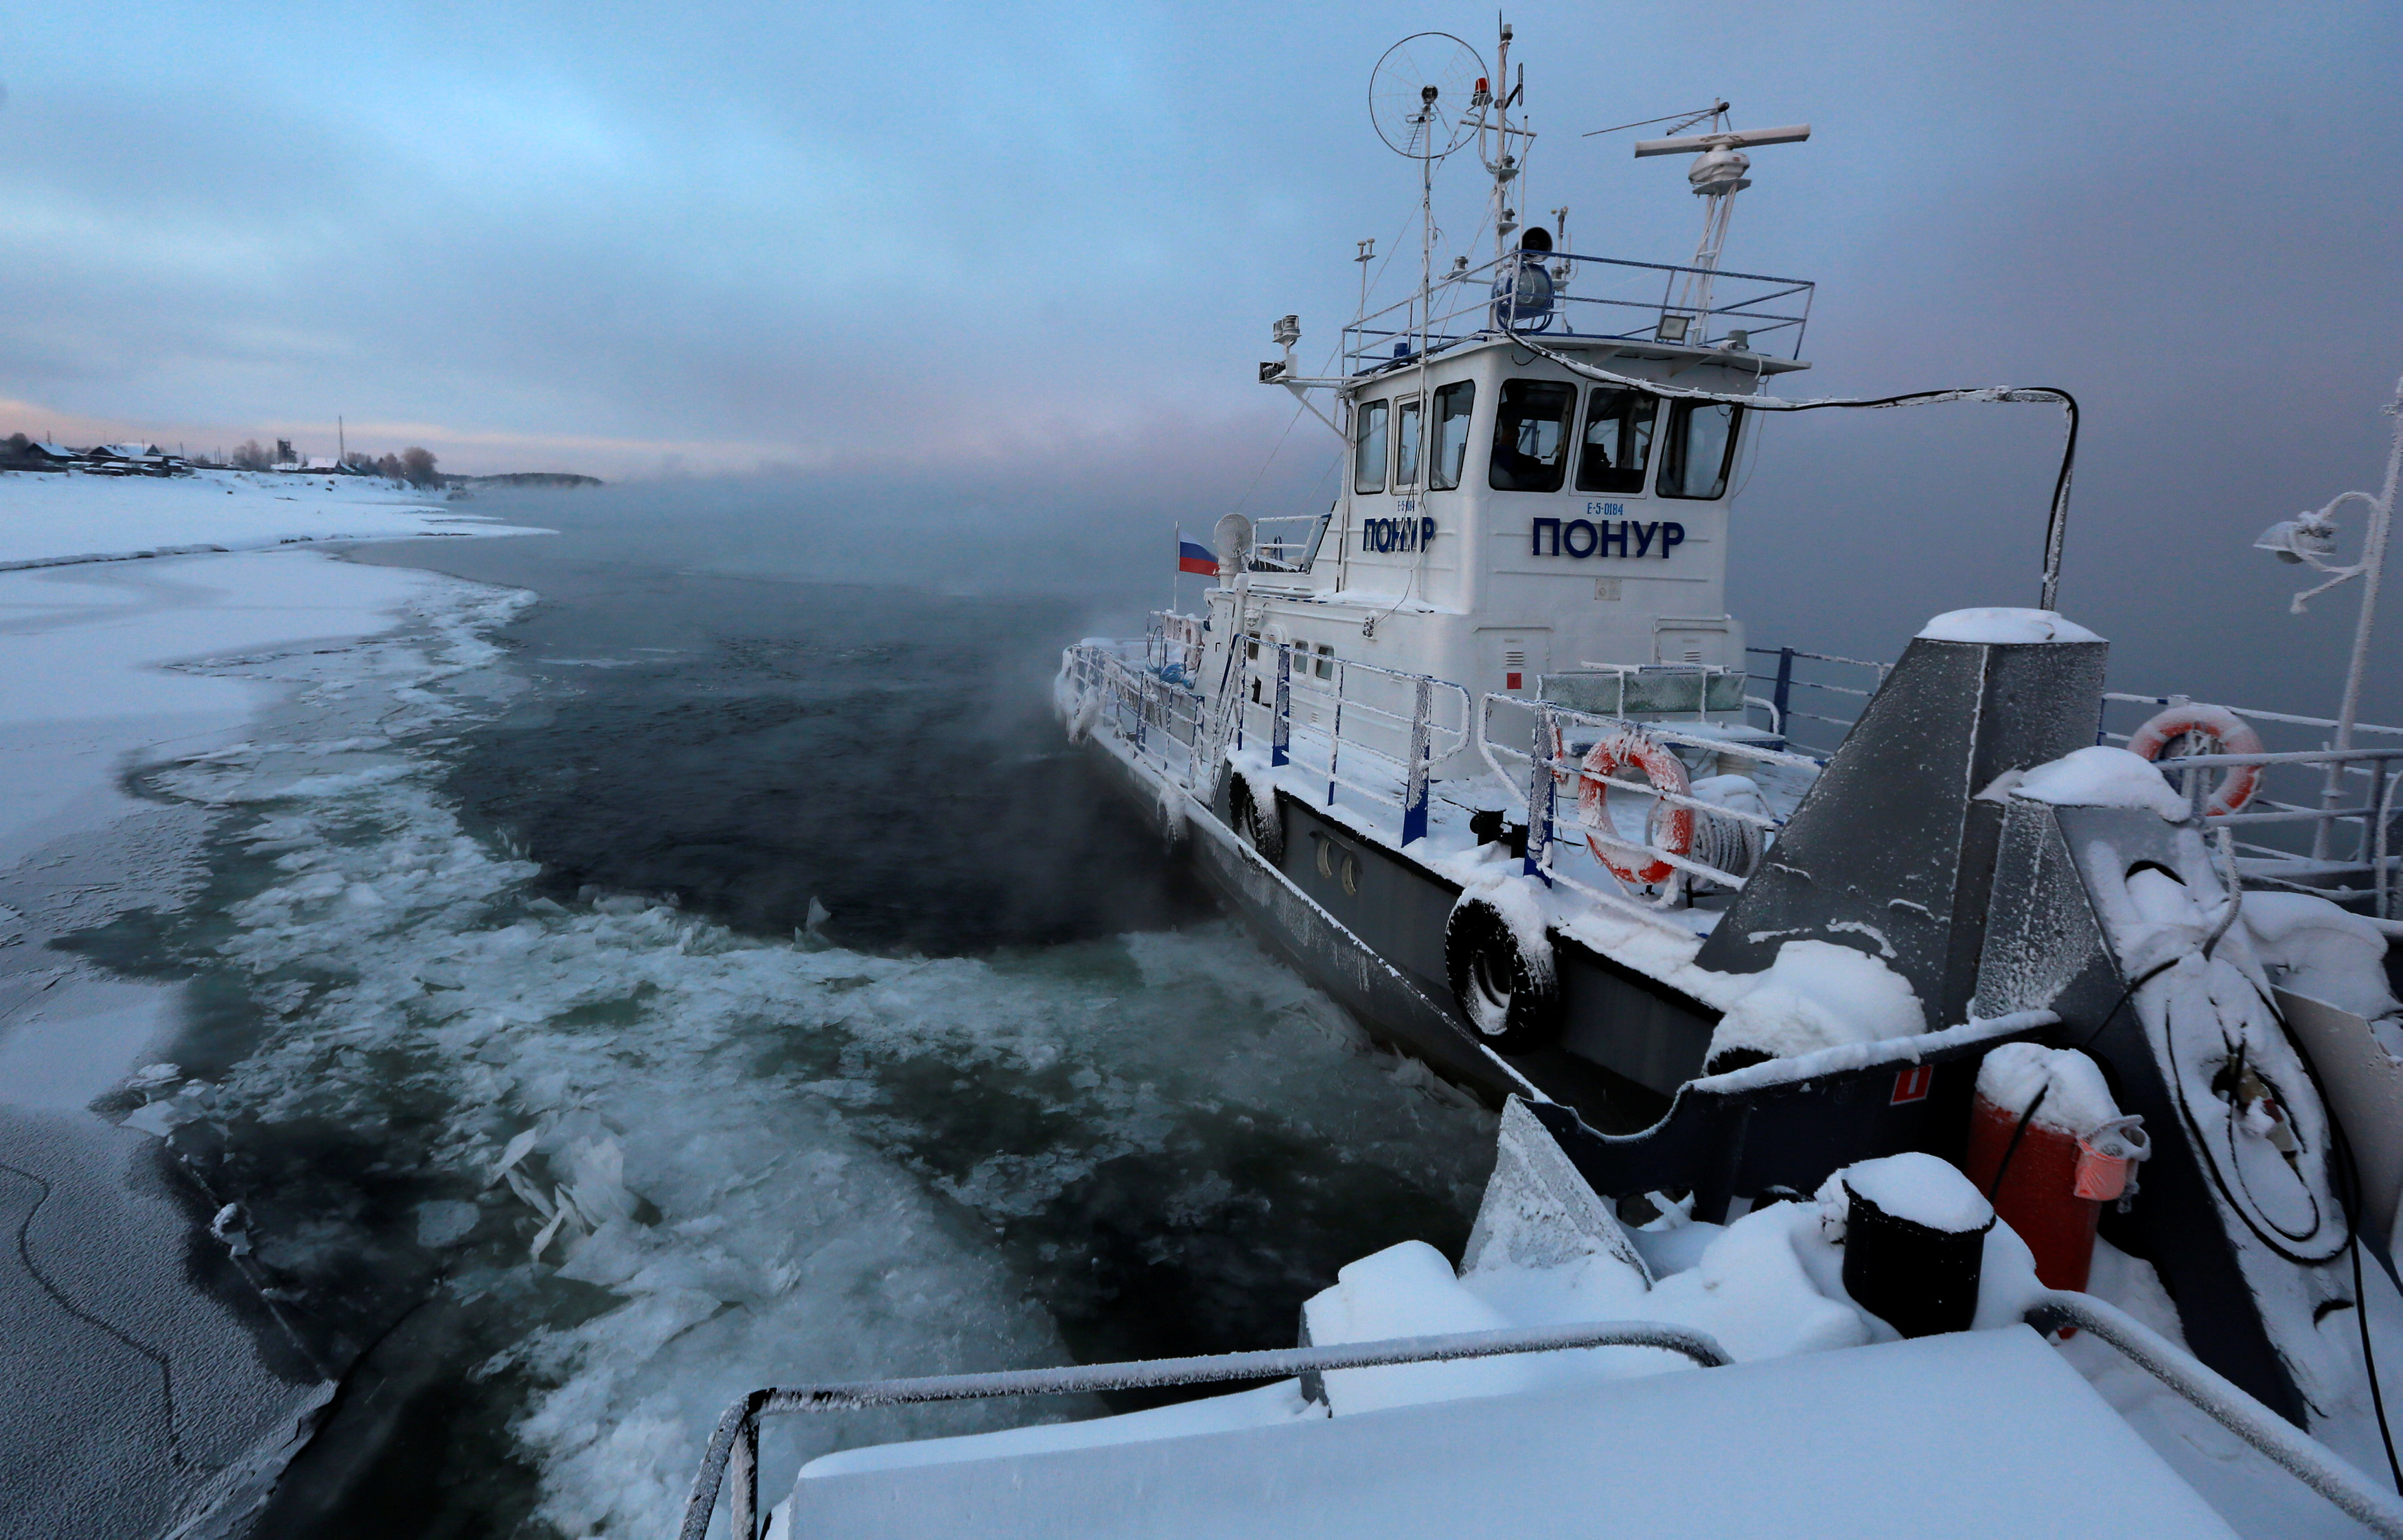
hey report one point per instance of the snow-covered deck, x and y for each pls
(1942, 1436)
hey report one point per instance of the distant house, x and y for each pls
(35, 455)
(130, 459)
(322, 465)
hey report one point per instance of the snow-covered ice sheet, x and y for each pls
(52, 518)
(156, 1387)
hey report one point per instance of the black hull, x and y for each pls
(1377, 950)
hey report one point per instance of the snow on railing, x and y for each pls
(1782, 683)
(1157, 716)
(1286, 542)
(2301, 1456)
(734, 1446)
(2306, 788)
(2375, 857)
(1717, 834)
(1322, 713)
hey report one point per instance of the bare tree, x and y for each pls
(247, 456)
(417, 466)
(389, 467)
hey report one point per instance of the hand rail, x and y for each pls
(1428, 739)
(1465, 303)
(735, 1442)
(2301, 1455)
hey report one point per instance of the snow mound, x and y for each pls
(2102, 777)
(2319, 950)
(1815, 995)
(1922, 1189)
(2003, 626)
(2076, 1102)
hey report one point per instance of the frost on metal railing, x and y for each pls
(2304, 817)
(733, 1450)
(1598, 296)
(1823, 684)
(1666, 835)
(1377, 732)
(1286, 543)
(1121, 689)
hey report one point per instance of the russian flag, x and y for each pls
(1192, 556)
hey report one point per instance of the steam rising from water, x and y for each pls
(748, 1160)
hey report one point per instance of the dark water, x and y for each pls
(1134, 1135)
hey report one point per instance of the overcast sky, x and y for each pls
(991, 257)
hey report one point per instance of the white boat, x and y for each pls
(1763, 982)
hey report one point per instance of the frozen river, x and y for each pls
(654, 970)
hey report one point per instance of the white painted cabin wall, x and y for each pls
(1485, 588)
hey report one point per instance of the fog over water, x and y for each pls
(659, 968)
(1002, 279)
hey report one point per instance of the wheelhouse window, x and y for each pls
(1616, 446)
(1699, 448)
(1530, 436)
(1449, 451)
(1406, 444)
(1369, 446)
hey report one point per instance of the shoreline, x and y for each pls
(162, 1389)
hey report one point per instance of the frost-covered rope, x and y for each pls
(2056, 529)
(1272, 1363)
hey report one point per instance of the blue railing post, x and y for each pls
(1781, 693)
(1280, 723)
(1414, 800)
(1542, 796)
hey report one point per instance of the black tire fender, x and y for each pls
(1260, 827)
(1510, 998)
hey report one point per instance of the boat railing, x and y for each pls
(1824, 684)
(1605, 298)
(734, 1447)
(1156, 714)
(1174, 641)
(1639, 833)
(1373, 731)
(2317, 821)
(1287, 542)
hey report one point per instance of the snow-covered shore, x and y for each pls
(56, 519)
(146, 1391)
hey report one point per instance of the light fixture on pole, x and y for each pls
(2308, 540)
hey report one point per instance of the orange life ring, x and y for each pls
(2226, 731)
(1670, 829)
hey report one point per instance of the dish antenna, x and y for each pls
(1425, 97)
(1419, 95)
(1716, 175)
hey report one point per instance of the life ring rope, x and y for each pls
(2224, 732)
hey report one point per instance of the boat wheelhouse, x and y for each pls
(1833, 1007)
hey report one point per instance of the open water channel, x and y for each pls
(700, 974)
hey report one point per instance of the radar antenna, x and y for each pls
(1716, 175)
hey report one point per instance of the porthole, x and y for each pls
(1326, 859)
(1351, 874)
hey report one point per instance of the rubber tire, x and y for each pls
(1511, 1005)
(1261, 829)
